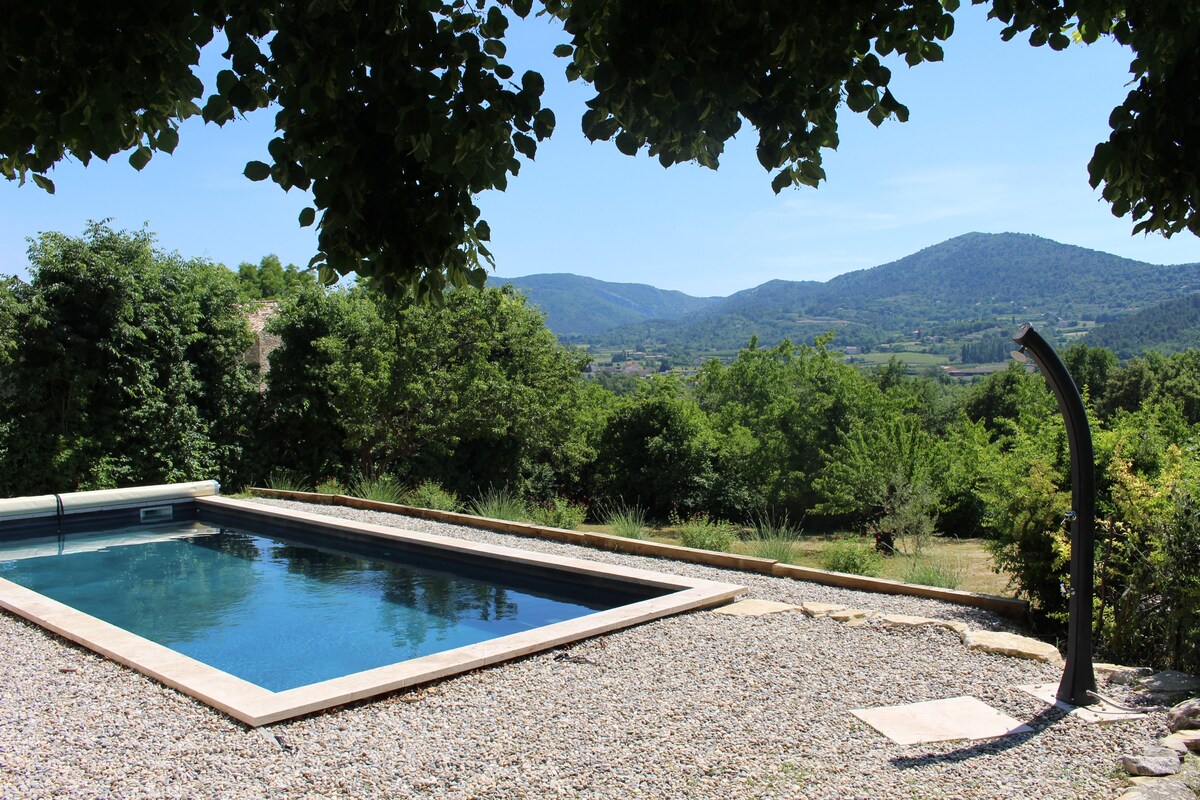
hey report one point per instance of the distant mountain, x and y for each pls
(970, 283)
(1167, 327)
(576, 306)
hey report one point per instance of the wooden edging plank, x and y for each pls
(1006, 606)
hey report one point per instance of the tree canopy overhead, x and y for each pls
(396, 114)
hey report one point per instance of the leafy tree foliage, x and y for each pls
(1089, 366)
(779, 411)
(658, 452)
(397, 115)
(471, 392)
(270, 280)
(884, 475)
(123, 367)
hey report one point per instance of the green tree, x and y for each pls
(472, 392)
(1131, 384)
(882, 475)
(397, 116)
(999, 399)
(271, 280)
(324, 380)
(116, 371)
(657, 451)
(482, 393)
(1089, 368)
(778, 412)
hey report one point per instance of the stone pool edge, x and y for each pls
(256, 706)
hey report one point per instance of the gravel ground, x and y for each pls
(700, 705)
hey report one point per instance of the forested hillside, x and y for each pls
(1165, 328)
(578, 306)
(967, 284)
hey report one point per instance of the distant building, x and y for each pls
(260, 351)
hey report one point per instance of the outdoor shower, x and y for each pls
(1078, 678)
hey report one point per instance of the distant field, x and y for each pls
(912, 359)
(968, 559)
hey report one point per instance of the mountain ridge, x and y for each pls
(956, 287)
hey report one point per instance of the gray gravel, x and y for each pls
(700, 705)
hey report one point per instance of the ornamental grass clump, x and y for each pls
(500, 503)
(287, 480)
(773, 537)
(704, 533)
(625, 520)
(381, 488)
(934, 572)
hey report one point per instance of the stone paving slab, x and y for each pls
(820, 609)
(940, 721)
(1010, 644)
(1100, 712)
(753, 607)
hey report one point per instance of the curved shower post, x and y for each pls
(1078, 677)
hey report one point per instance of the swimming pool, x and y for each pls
(268, 613)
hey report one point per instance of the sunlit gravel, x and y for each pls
(696, 706)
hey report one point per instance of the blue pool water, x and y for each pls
(283, 611)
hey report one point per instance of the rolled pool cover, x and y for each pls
(47, 505)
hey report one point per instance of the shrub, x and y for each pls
(852, 557)
(627, 521)
(330, 486)
(557, 513)
(704, 533)
(384, 489)
(931, 572)
(431, 494)
(500, 503)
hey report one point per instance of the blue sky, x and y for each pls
(999, 140)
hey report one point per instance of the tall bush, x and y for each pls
(122, 367)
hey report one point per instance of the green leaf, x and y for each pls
(217, 110)
(783, 180)
(495, 47)
(42, 182)
(257, 171)
(858, 98)
(140, 157)
(307, 217)
(521, 7)
(533, 83)
(563, 51)
(504, 71)
(167, 140)
(627, 143)
(945, 27)
(543, 123)
(525, 145)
